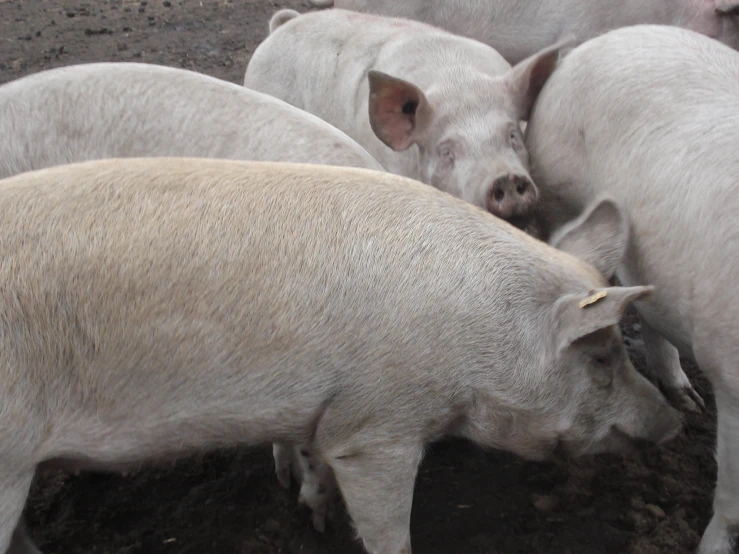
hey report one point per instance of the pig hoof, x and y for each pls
(283, 477)
(319, 522)
(686, 399)
(319, 513)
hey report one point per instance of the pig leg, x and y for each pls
(21, 542)
(721, 534)
(282, 455)
(663, 364)
(377, 484)
(13, 492)
(318, 486)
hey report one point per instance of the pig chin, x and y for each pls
(614, 441)
(519, 221)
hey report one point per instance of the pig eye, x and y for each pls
(600, 371)
(603, 361)
(446, 152)
(513, 137)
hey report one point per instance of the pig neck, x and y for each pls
(494, 422)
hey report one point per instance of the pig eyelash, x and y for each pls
(446, 152)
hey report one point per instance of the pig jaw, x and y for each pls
(649, 417)
(634, 414)
(497, 424)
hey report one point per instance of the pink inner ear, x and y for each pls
(539, 77)
(390, 123)
(531, 82)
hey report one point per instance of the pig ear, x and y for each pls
(727, 7)
(599, 236)
(528, 77)
(398, 110)
(579, 315)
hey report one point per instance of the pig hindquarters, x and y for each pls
(105, 110)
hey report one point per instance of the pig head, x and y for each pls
(469, 139)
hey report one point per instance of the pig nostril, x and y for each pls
(521, 187)
(498, 194)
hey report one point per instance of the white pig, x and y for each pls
(427, 104)
(152, 307)
(520, 28)
(649, 115)
(104, 110)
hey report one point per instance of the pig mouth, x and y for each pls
(614, 441)
(623, 442)
(519, 221)
(670, 436)
(620, 441)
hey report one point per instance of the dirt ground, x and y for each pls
(466, 501)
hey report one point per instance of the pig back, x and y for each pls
(105, 110)
(274, 284)
(641, 112)
(650, 116)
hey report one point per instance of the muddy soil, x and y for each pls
(466, 500)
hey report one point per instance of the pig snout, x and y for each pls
(631, 437)
(658, 428)
(512, 198)
(637, 417)
(665, 427)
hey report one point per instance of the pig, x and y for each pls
(649, 116)
(425, 103)
(520, 29)
(152, 307)
(104, 110)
